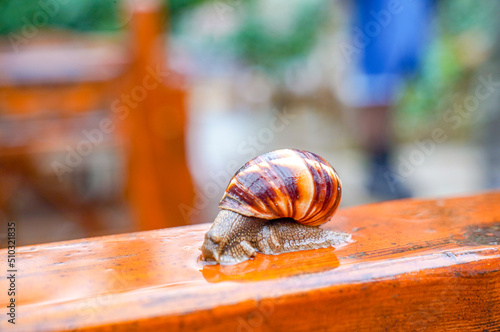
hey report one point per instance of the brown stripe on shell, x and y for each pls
(326, 191)
(333, 201)
(257, 182)
(326, 201)
(291, 178)
(287, 187)
(275, 185)
(320, 207)
(338, 195)
(317, 178)
(285, 184)
(240, 200)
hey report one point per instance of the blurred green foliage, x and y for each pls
(251, 40)
(77, 15)
(457, 16)
(445, 75)
(444, 72)
(257, 45)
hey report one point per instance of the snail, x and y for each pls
(274, 204)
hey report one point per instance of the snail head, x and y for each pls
(231, 238)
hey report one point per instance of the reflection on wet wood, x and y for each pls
(265, 267)
(415, 265)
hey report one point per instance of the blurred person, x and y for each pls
(387, 44)
(489, 132)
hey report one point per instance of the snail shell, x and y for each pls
(285, 184)
(272, 205)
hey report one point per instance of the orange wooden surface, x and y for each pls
(416, 265)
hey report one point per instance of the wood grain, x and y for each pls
(416, 265)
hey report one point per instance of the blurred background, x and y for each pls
(117, 116)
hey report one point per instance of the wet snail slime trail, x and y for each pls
(275, 204)
(11, 271)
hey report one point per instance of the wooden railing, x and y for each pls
(415, 265)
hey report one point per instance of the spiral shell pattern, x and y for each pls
(285, 184)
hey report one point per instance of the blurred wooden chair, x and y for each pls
(158, 178)
(59, 86)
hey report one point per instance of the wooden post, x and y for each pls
(415, 265)
(154, 107)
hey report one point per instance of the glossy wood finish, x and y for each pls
(416, 265)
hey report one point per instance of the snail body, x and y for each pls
(274, 204)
